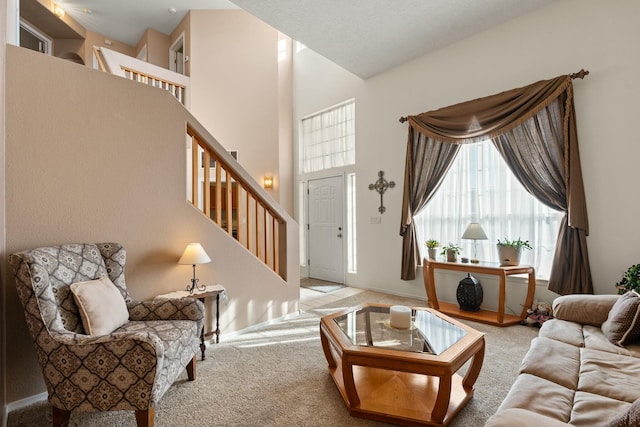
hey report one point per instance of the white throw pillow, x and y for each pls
(102, 307)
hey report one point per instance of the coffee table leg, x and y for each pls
(442, 400)
(349, 383)
(327, 349)
(474, 370)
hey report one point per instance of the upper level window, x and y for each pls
(34, 39)
(479, 187)
(328, 138)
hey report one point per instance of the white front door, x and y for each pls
(325, 229)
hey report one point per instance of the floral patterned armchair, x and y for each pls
(129, 369)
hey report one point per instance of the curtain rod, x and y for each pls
(579, 75)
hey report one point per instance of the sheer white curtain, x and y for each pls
(479, 187)
(328, 138)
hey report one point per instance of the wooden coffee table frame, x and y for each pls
(405, 388)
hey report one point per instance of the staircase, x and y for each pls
(217, 185)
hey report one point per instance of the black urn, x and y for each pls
(469, 294)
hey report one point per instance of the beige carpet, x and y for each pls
(277, 376)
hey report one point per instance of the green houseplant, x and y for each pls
(452, 251)
(630, 280)
(432, 244)
(509, 251)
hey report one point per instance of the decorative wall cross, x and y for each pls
(381, 186)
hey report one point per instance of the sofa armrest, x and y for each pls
(522, 418)
(167, 309)
(584, 309)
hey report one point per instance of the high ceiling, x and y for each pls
(365, 37)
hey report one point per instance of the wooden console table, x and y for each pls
(498, 318)
(210, 291)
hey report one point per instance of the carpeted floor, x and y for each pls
(277, 376)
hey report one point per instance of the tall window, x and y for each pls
(328, 138)
(479, 187)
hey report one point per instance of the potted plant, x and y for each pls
(509, 251)
(630, 280)
(432, 244)
(451, 251)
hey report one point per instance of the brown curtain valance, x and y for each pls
(534, 129)
(486, 118)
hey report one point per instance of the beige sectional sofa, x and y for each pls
(573, 375)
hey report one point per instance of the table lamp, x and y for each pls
(474, 232)
(194, 254)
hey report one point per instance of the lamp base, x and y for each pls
(194, 283)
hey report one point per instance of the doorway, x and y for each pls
(176, 55)
(325, 229)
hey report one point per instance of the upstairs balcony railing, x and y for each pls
(137, 70)
(231, 202)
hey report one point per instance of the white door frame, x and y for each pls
(344, 223)
(175, 46)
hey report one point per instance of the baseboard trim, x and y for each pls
(23, 403)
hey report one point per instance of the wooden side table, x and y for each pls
(210, 291)
(498, 318)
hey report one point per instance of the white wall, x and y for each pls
(559, 39)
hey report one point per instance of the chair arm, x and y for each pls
(584, 309)
(167, 309)
(107, 372)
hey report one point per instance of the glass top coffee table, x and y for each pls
(401, 376)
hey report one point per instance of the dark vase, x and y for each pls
(469, 294)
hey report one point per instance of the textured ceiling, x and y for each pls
(365, 37)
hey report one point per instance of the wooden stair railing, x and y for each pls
(143, 72)
(231, 203)
(176, 89)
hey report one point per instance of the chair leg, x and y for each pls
(145, 417)
(191, 369)
(60, 417)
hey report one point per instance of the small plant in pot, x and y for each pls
(451, 251)
(509, 251)
(432, 244)
(630, 280)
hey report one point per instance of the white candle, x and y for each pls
(400, 316)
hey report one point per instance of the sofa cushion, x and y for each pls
(563, 330)
(623, 323)
(516, 417)
(541, 396)
(564, 368)
(101, 305)
(593, 410)
(628, 418)
(612, 375)
(595, 339)
(584, 309)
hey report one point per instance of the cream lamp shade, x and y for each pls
(193, 255)
(474, 232)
